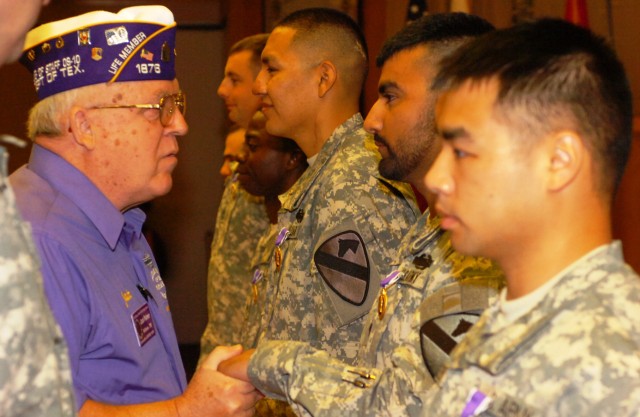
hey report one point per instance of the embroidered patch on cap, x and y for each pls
(135, 44)
(344, 265)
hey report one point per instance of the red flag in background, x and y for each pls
(576, 13)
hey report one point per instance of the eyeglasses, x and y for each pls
(168, 105)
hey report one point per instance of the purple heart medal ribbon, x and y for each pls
(257, 277)
(477, 403)
(282, 236)
(382, 299)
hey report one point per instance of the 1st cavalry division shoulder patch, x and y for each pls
(344, 265)
(439, 335)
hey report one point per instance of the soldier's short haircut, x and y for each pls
(443, 33)
(553, 75)
(254, 44)
(335, 33)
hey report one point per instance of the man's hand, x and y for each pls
(211, 393)
(236, 367)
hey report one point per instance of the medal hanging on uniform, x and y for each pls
(382, 303)
(382, 298)
(278, 258)
(282, 236)
(257, 277)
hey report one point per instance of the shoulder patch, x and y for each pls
(440, 335)
(343, 263)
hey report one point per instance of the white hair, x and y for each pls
(47, 117)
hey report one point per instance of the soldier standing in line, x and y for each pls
(341, 222)
(536, 125)
(241, 219)
(269, 167)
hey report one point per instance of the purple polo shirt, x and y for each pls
(103, 286)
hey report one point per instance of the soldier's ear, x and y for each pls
(80, 127)
(296, 158)
(328, 76)
(566, 154)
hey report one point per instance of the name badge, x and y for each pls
(143, 325)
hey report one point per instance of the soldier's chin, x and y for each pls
(247, 185)
(387, 169)
(275, 128)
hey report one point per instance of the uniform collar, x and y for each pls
(575, 281)
(292, 199)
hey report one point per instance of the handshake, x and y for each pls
(220, 387)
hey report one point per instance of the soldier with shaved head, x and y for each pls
(536, 128)
(339, 224)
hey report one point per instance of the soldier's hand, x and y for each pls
(236, 367)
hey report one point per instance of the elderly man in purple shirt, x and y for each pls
(105, 140)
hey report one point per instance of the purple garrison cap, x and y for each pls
(135, 44)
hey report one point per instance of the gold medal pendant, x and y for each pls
(278, 258)
(254, 289)
(382, 303)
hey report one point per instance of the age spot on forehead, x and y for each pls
(117, 98)
(134, 132)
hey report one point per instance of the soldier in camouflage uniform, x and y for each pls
(241, 218)
(35, 379)
(340, 223)
(564, 338)
(255, 300)
(269, 167)
(240, 222)
(431, 288)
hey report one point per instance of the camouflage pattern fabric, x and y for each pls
(344, 225)
(255, 300)
(254, 310)
(240, 223)
(35, 378)
(574, 354)
(391, 375)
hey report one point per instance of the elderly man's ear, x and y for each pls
(80, 127)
